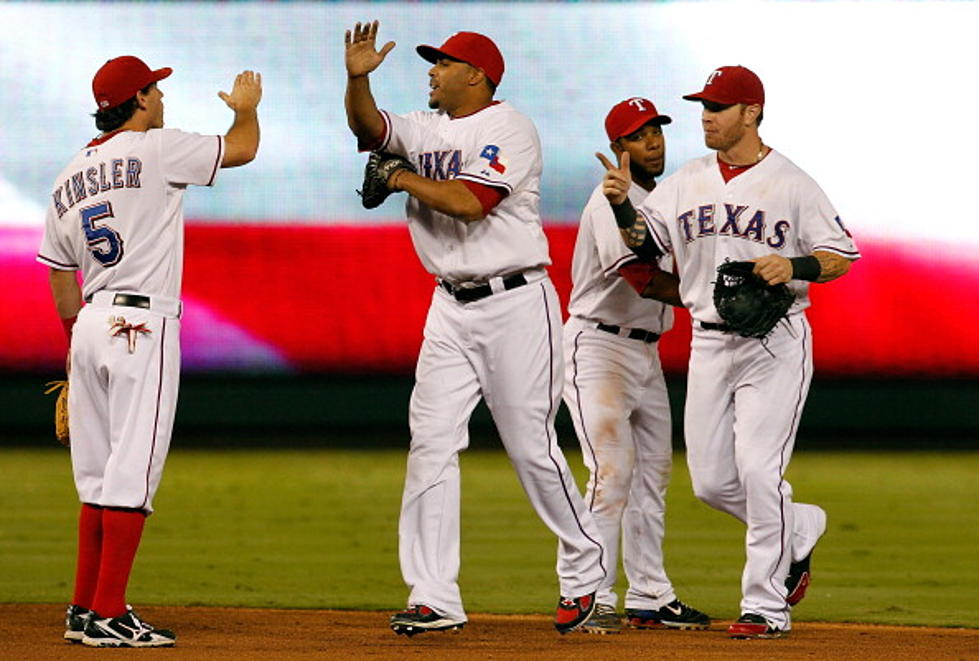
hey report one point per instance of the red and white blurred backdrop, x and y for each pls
(346, 299)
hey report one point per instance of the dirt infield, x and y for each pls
(33, 632)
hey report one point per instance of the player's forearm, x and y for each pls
(831, 265)
(634, 231)
(664, 287)
(452, 198)
(241, 140)
(363, 117)
(66, 293)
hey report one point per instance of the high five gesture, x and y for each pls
(362, 57)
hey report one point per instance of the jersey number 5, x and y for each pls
(104, 243)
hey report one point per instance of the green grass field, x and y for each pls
(318, 529)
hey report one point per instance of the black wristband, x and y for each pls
(805, 268)
(625, 214)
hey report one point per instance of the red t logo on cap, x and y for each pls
(713, 74)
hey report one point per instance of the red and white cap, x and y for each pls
(730, 85)
(630, 115)
(472, 48)
(120, 78)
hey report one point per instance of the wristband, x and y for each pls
(625, 214)
(805, 268)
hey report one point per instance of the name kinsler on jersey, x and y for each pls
(117, 173)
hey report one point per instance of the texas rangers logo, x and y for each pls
(638, 103)
(713, 74)
(492, 154)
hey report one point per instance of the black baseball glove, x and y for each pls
(380, 167)
(747, 304)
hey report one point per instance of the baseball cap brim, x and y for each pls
(432, 54)
(713, 98)
(160, 74)
(658, 120)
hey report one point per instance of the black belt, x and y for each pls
(706, 325)
(470, 294)
(128, 300)
(634, 333)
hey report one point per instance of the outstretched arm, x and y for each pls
(361, 58)
(241, 140)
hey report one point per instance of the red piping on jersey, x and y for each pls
(156, 416)
(378, 143)
(68, 267)
(470, 114)
(105, 137)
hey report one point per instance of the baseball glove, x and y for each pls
(380, 166)
(749, 306)
(60, 410)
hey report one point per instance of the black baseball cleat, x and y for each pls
(604, 621)
(126, 630)
(674, 615)
(800, 574)
(752, 625)
(419, 619)
(798, 580)
(76, 618)
(572, 613)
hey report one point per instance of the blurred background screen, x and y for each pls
(286, 272)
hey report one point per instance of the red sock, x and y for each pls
(121, 532)
(89, 555)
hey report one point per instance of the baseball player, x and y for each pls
(748, 202)
(116, 216)
(493, 326)
(614, 386)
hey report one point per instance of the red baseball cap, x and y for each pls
(472, 48)
(630, 115)
(730, 85)
(120, 78)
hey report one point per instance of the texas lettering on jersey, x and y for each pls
(116, 173)
(446, 164)
(440, 165)
(734, 220)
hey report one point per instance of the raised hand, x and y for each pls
(245, 93)
(361, 55)
(617, 180)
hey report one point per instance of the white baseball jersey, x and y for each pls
(116, 215)
(496, 146)
(116, 211)
(616, 394)
(599, 293)
(504, 348)
(745, 396)
(704, 221)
